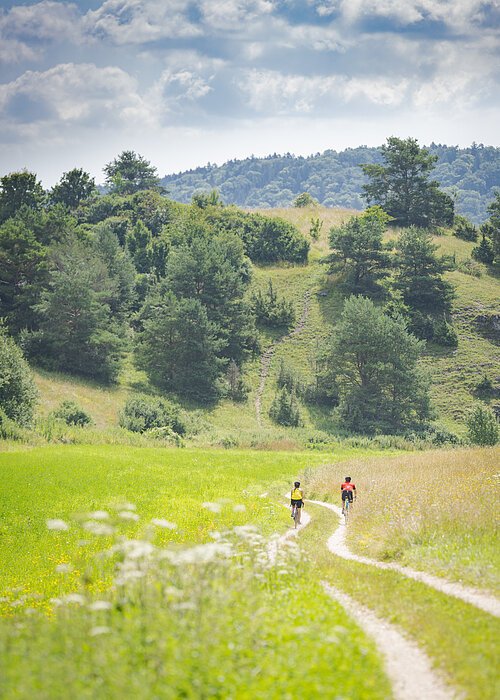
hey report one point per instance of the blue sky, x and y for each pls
(185, 82)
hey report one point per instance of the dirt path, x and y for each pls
(407, 667)
(338, 546)
(266, 359)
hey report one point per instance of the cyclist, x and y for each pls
(297, 500)
(348, 490)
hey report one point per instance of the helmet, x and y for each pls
(348, 478)
(296, 483)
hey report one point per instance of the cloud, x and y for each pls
(140, 21)
(234, 15)
(69, 95)
(271, 92)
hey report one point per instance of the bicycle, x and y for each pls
(346, 509)
(296, 515)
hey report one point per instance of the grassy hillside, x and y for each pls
(455, 372)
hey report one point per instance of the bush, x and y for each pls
(482, 426)
(285, 409)
(485, 387)
(18, 393)
(237, 390)
(143, 414)
(289, 379)
(484, 252)
(470, 267)
(304, 200)
(464, 229)
(444, 334)
(8, 429)
(72, 414)
(166, 434)
(270, 310)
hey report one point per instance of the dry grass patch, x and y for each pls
(432, 510)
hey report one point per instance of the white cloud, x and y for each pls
(234, 15)
(70, 94)
(14, 51)
(272, 92)
(140, 21)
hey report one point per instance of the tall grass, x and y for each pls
(433, 510)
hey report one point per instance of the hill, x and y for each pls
(335, 179)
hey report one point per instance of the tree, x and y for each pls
(372, 362)
(23, 274)
(73, 188)
(178, 346)
(464, 229)
(129, 173)
(285, 408)
(77, 332)
(304, 200)
(19, 189)
(482, 426)
(120, 270)
(402, 186)
(357, 248)
(18, 392)
(271, 310)
(215, 271)
(419, 273)
(491, 229)
(484, 251)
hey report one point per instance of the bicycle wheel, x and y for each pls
(296, 517)
(346, 509)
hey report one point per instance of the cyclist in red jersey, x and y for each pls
(348, 490)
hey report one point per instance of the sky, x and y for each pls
(186, 82)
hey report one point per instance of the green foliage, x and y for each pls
(304, 200)
(491, 229)
(142, 414)
(130, 173)
(315, 228)
(18, 393)
(419, 273)
(285, 408)
(464, 229)
(289, 379)
(72, 414)
(237, 389)
(482, 426)
(484, 251)
(207, 199)
(266, 239)
(271, 310)
(73, 188)
(372, 359)
(335, 179)
(178, 346)
(402, 186)
(9, 429)
(485, 388)
(77, 332)
(357, 248)
(17, 190)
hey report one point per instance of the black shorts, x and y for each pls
(347, 496)
(297, 502)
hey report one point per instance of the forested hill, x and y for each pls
(335, 179)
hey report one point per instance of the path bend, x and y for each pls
(337, 545)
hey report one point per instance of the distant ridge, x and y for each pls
(335, 179)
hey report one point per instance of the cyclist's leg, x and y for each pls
(299, 514)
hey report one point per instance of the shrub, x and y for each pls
(143, 414)
(470, 267)
(18, 393)
(444, 334)
(304, 200)
(485, 387)
(237, 389)
(8, 429)
(72, 414)
(270, 310)
(285, 409)
(482, 426)
(166, 434)
(484, 252)
(464, 229)
(289, 379)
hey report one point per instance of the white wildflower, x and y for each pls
(263, 495)
(213, 507)
(100, 605)
(64, 568)
(75, 598)
(128, 515)
(239, 508)
(99, 515)
(126, 506)
(160, 522)
(97, 528)
(57, 524)
(200, 554)
(185, 605)
(137, 549)
(95, 631)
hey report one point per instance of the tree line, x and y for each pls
(335, 178)
(85, 277)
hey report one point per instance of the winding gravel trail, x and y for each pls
(407, 667)
(479, 599)
(266, 359)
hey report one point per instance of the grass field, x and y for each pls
(202, 610)
(435, 511)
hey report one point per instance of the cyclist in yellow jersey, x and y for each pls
(297, 499)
